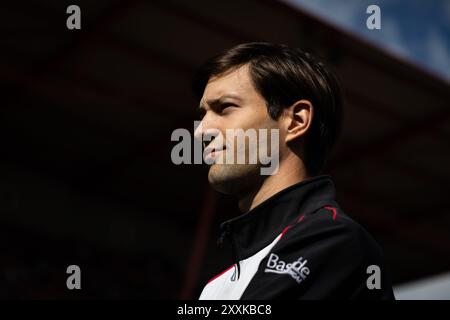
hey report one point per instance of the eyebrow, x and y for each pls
(219, 100)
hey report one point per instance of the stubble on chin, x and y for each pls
(233, 179)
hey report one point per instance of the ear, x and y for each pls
(299, 118)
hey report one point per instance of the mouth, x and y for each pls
(211, 152)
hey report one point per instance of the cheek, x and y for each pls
(251, 118)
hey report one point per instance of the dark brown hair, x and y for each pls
(284, 75)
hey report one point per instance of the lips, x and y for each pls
(211, 151)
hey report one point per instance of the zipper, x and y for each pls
(226, 233)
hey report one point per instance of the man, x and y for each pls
(292, 241)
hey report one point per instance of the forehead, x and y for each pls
(236, 82)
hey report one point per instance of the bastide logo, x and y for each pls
(297, 269)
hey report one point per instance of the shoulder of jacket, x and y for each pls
(329, 224)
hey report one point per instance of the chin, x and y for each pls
(233, 179)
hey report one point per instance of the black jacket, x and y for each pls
(299, 244)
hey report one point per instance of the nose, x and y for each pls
(199, 130)
(206, 132)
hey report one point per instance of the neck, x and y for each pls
(290, 172)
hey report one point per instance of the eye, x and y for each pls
(225, 106)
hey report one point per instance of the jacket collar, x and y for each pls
(252, 231)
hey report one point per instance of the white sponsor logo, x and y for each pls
(297, 269)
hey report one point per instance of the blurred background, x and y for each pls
(86, 118)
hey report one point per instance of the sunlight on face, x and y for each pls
(231, 102)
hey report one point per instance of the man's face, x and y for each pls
(230, 101)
